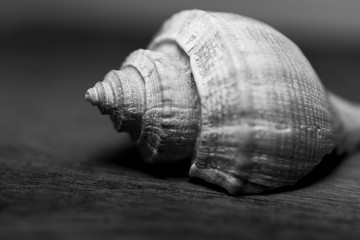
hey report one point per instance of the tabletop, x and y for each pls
(65, 173)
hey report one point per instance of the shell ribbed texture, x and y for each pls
(171, 116)
(265, 118)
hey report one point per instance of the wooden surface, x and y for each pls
(66, 174)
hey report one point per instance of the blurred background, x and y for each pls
(318, 23)
(52, 51)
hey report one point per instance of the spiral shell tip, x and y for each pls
(92, 96)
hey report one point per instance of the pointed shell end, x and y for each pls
(92, 96)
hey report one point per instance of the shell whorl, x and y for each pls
(120, 95)
(232, 93)
(153, 98)
(266, 119)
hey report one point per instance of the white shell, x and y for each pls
(229, 92)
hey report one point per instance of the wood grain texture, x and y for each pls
(66, 174)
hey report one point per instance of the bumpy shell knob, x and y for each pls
(230, 93)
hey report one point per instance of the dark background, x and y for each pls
(66, 174)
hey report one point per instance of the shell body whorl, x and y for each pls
(237, 97)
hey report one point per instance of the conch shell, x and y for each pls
(230, 93)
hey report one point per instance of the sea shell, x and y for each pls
(230, 93)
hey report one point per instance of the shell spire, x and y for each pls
(152, 97)
(100, 96)
(120, 95)
(93, 95)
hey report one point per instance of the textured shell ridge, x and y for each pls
(229, 97)
(170, 121)
(275, 130)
